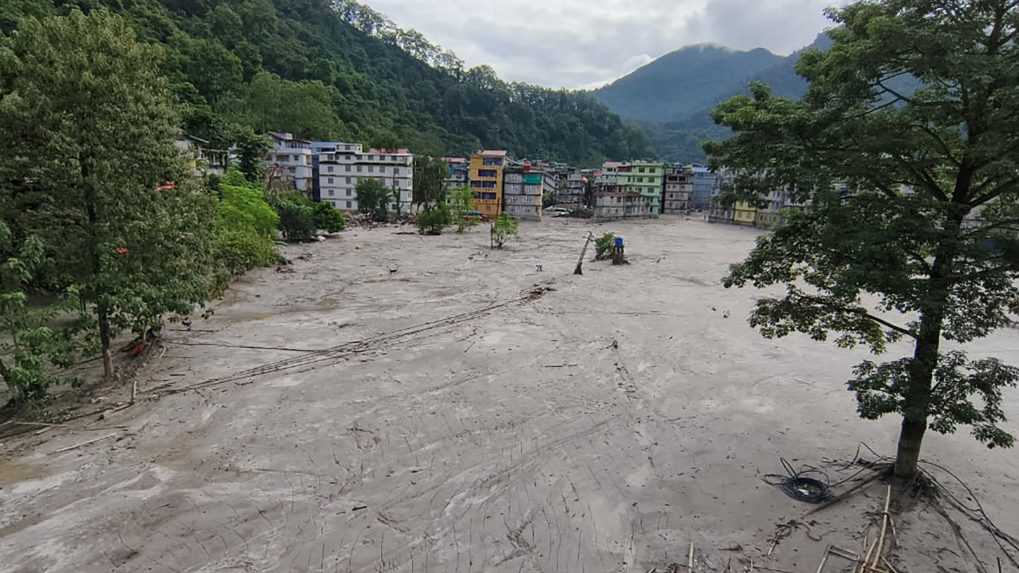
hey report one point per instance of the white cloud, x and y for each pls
(579, 43)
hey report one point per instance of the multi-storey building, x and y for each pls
(523, 188)
(615, 198)
(290, 159)
(704, 186)
(348, 163)
(201, 157)
(644, 177)
(456, 172)
(485, 174)
(571, 195)
(678, 188)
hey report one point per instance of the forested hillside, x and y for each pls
(338, 69)
(673, 96)
(683, 82)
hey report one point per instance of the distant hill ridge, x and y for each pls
(672, 97)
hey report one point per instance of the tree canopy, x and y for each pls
(96, 176)
(910, 205)
(338, 69)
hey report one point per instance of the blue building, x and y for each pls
(704, 183)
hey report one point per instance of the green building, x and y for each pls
(644, 177)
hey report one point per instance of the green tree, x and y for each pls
(504, 227)
(372, 198)
(305, 108)
(328, 218)
(910, 231)
(245, 229)
(29, 347)
(251, 152)
(297, 219)
(429, 185)
(433, 219)
(96, 175)
(461, 208)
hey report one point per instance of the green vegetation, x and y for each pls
(337, 69)
(245, 229)
(373, 198)
(433, 219)
(29, 348)
(504, 227)
(941, 257)
(328, 219)
(300, 218)
(429, 180)
(603, 246)
(461, 209)
(96, 176)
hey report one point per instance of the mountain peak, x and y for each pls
(684, 81)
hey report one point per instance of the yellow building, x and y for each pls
(485, 175)
(744, 213)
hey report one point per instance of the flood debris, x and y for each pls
(798, 486)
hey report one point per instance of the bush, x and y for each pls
(433, 220)
(503, 228)
(297, 219)
(328, 218)
(461, 207)
(246, 228)
(603, 246)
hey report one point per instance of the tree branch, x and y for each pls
(992, 195)
(862, 312)
(941, 142)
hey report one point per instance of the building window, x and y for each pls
(487, 173)
(371, 169)
(348, 204)
(330, 192)
(358, 168)
(348, 180)
(348, 195)
(396, 171)
(346, 168)
(329, 169)
(330, 180)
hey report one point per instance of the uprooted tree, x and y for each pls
(903, 155)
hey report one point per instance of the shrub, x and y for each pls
(461, 206)
(246, 228)
(503, 228)
(297, 219)
(603, 246)
(433, 220)
(328, 218)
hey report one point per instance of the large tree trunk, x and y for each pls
(927, 350)
(918, 395)
(908, 453)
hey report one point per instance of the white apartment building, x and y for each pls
(291, 158)
(340, 170)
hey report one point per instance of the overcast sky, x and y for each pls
(587, 43)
